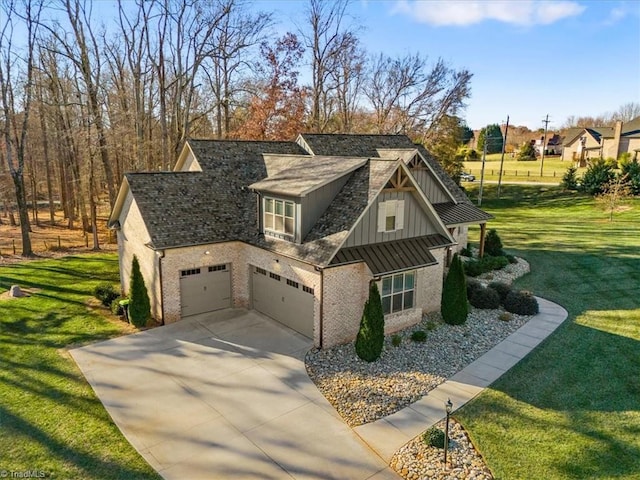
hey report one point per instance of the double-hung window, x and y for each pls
(279, 216)
(398, 292)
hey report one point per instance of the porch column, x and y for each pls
(483, 231)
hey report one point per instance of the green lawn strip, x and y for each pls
(50, 418)
(571, 409)
(515, 171)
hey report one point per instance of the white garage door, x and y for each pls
(205, 289)
(284, 300)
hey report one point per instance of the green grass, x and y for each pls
(515, 171)
(50, 418)
(571, 409)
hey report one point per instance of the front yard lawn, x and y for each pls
(50, 419)
(571, 409)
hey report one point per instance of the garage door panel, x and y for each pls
(283, 301)
(205, 291)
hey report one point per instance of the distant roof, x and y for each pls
(306, 174)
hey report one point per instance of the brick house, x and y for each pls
(295, 230)
(582, 144)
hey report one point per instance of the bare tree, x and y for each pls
(16, 92)
(409, 97)
(326, 36)
(348, 76)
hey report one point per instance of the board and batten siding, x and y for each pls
(416, 222)
(430, 186)
(317, 202)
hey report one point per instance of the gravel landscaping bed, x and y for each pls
(416, 460)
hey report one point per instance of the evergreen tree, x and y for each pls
(492, 135)
(370, 339)
(570, 179)
(139, 304)
(454, 306)
(527, 152)
(493, 244)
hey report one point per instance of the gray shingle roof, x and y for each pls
(217, 205)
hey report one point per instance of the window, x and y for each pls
(275, 276)
(261, 271)
(398, 292)
(307, 289)
(217, 268)
(390, 215)
(191, 271)
(279, 215)
(293, 284)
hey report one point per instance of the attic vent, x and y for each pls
(415, 162)
(399, 182)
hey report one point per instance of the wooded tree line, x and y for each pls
(87, 97)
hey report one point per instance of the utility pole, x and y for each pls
(544, 141)
(504, 144)
(484, 157)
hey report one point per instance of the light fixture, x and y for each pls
(207, 252)
(448, 406)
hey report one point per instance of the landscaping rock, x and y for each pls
(15, 292)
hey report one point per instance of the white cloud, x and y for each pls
(621, 11)
(462, 13)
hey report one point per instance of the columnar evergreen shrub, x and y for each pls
(370, 339)
(493, 244)
(454, 306)
(139, 306)
(599, 173)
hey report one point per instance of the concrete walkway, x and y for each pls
(225, 395)
(387, 435)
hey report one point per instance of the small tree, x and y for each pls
(139, 304)
(570, 179)
(493, 244)
(370, 339)
(614, 193)
(527, 152)
(454, 307)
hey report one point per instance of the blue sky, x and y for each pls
(528, 58)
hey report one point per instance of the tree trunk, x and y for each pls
(23, 213)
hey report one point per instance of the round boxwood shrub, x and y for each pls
(434, 437)
(521, 302)
(503, 289)
(473, 285)
(116, 308)
(396, 340)
(485, 298)
(474, 267)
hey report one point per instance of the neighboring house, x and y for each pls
(553, 144)
(582, 144)
(295, 230)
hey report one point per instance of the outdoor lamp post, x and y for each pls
(447, 406)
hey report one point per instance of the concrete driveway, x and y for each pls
(225, 395)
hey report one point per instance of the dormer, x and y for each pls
(297, 192)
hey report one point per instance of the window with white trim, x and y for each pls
(279, 215)
(398, 292)
(390, 215)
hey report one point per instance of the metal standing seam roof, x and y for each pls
(395, 256)
(460, 213)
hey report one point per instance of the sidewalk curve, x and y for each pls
(387, 435)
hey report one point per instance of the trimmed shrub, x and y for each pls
(521, 303)
(419, 336)
(396, 340)
(105, 292)
(511, 258)
(370, 339)
(501, 288)
(466, 252)
(116, 308)
(434, 437)
(631, 170)
(431, 325)
(485, 298)
(139, 306)
(475, 267)
(473, 285)
(454, 306)
(493, 244)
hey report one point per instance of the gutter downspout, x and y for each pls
(321, 322)
(160, 257)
